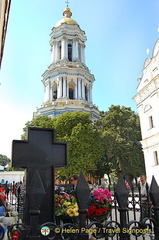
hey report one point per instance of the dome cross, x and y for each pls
(67, 2)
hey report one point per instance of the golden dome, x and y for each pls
(67, 18)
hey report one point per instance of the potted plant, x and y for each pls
(66, 208)
(99, 205)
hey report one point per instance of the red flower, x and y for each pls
(99, 212)
(105, 209)
(91, 210)
(99, 204)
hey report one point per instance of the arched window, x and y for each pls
(54, 92)
(147, 108)
(71, 92)
(86, 93)
(70, 52)
(59, 51)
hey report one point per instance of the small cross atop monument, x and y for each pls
(39, 155)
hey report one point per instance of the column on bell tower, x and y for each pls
(83, 92)
(75, 50)
(82, 53)
(59, 51)
(79, 87)
(59, 87)
(56, 52)
(90, 94)
(52, 52)
(64, 87)
(50, 93)
(64, 51)
(76, 91)
(47, 91)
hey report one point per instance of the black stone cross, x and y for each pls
(39, 155)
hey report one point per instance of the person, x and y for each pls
(21, 198)
(74, 180)
(7, 191)
(145, 204)
(2, 207)
(2, 195)
(3, 214)
(90, 184)
(127, 185)
(15, 189)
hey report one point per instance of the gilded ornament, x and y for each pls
(63, 38)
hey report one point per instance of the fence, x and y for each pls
(124, 222)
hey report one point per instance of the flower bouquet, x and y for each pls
(99, 205)
(66, 207)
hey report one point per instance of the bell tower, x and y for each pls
(67, 81)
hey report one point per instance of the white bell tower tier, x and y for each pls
(67, 81)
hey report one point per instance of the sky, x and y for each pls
(118, 34)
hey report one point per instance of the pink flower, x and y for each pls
(102, 195)
(99, 204)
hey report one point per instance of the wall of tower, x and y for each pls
(68, 87)
(68, 46)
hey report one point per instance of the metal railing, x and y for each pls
(124, 223)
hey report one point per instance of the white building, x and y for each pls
(4, 16)
(11, 176)
(67, 81)
(147, 100)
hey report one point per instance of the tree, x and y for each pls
(84, 142)
(40, 121)
(121, 134)
(84, 150)
(110, 145)
(84, 146)
(105, 166)
(4, 160)
(66, 122)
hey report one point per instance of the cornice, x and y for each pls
(65, 103)
(147, 91)
(67, 27)
(56, 74)
(69, 33)
(150, 141)
(68, 70)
